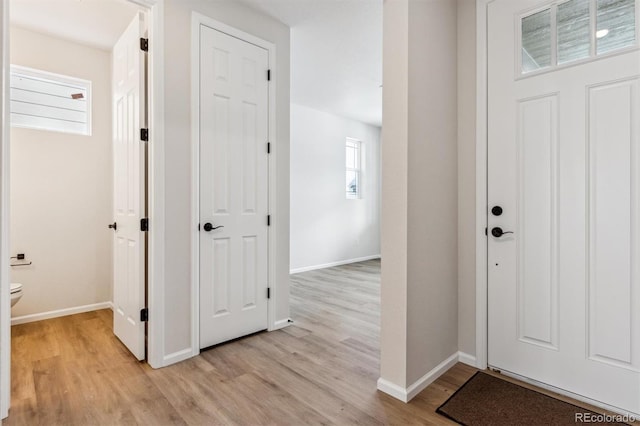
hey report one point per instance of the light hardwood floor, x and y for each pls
(320, 370)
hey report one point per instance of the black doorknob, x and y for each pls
(113, 226)
(496, 210)
(498, 232)
(209, 227)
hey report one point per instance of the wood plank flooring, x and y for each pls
(320, 370)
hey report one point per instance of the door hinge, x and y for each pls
(144, 44)
(486, 231)
(268, 220)
(268, 147)
(144, 315)
(144, 135)
(144, 224)
(268, 75)
(268, 292)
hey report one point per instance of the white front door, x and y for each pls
(129, 78)
(233, 187)
(564, 177)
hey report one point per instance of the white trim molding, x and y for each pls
(406, 395)
(398, 392)
(198, 19)
(156, 184)
(61, 313)
(178, 356)
(5, 284)
(281, 324)
(468, 359)
(332, 264)
(481, 184)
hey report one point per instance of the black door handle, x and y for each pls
(498, 232)
(209, 227)
(113, 226)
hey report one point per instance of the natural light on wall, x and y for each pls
(613, 28)
(46, 101)
(353, 157)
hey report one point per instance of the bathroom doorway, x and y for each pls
(48, 19)
(78, 166)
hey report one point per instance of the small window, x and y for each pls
(536, 41)
(616, 25)
(46, 101)
(353, 167)
(574, 31)
(571, 24)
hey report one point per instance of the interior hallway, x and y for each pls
(321, 370)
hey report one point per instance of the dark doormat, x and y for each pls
(488, 400)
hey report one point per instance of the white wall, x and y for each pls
(179, 228)
(326, 227)
(419, 324)
(467, 176)
(394, 224)
(61, 188)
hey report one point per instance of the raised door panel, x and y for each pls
(537, 243)
(613, 224)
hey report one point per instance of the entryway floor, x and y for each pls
(320, 370)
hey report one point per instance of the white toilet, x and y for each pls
(16, 293)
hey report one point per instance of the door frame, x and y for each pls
(197, 20)
(482, 241)
(155, 179)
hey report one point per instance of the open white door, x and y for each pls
(129, 158)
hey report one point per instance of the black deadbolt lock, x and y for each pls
(496, 210)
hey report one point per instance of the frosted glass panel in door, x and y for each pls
(616, 25)
(536, 41)
(574, 31)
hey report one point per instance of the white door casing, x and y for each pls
(564, 164)
(234, 179)
(129, 158)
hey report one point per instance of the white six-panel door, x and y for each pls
(233, 187)
(129, 188)
(564, 166)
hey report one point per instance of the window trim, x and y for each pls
(593, 55)
(357, 145)
(64, 80)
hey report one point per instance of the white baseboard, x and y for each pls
(281, 324)
(60, 313)
(177, 356)
(406, 395)
(424, 381)
(398, 392)
(332, 264)
(465, 358)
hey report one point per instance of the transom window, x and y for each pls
(353, 168)
(574, 30)
(46, 101)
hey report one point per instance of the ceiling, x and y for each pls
(97, 23)
(336, 54)
(336, 45)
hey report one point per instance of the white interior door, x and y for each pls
(233, 187)
(564, 167)
(129, 78)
